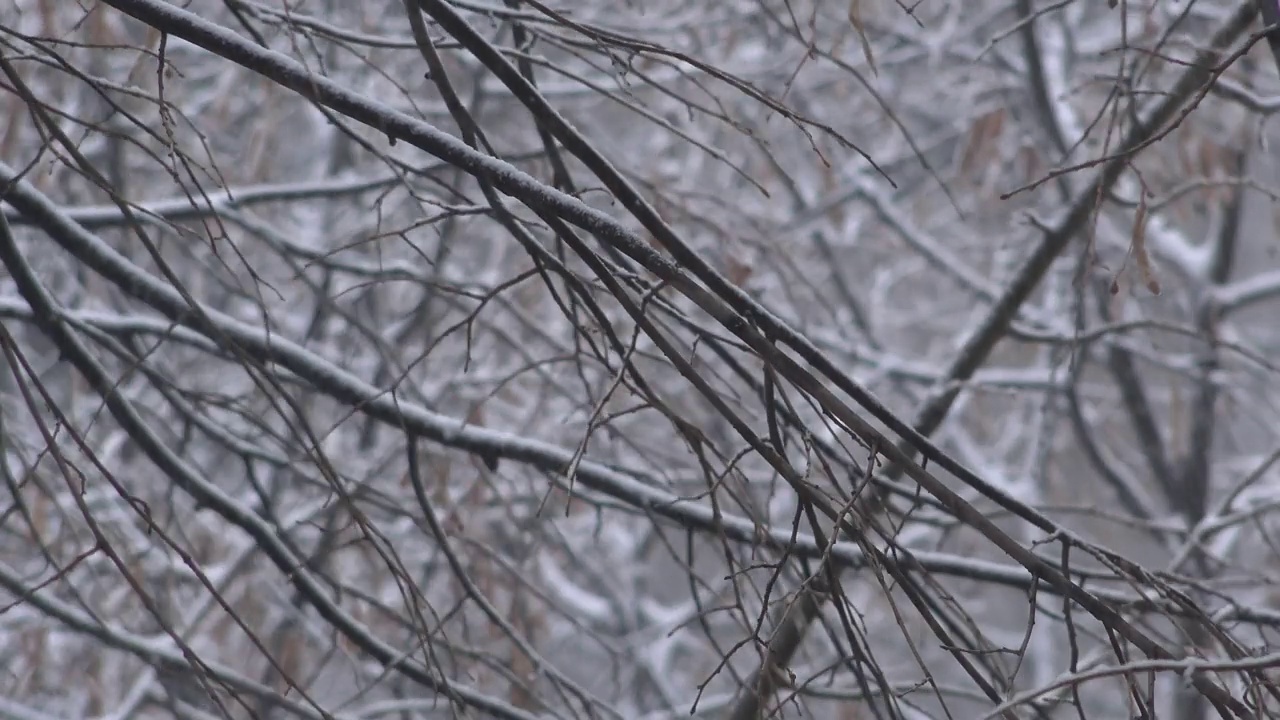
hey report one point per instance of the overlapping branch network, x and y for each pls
(572, 389)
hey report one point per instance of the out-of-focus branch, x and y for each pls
(1270, 11)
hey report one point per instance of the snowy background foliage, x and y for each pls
(644, 359)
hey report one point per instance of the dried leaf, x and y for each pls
(1032, 165)
(738, 271)
(982, 140)
(476, 417)
(855, 19)
(1139, 243)
(1215, 161)
(1184, 150)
